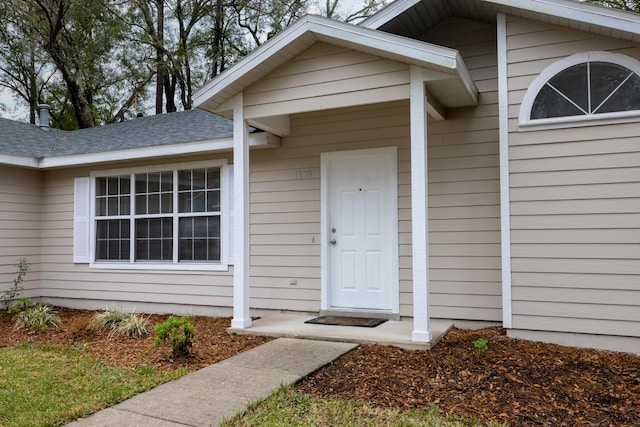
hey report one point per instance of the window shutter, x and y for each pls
(81, 203)
(231, 217)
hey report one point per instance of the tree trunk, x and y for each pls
(159, 57)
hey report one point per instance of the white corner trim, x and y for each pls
(505, 211)
(578, 11)
(538, 83)
(387, 13)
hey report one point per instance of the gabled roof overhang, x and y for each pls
(446, 63)
(579, 15)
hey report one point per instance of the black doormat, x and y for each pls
(365, 322)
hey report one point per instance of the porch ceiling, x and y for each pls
(455, 90)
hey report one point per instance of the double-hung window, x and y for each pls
(171, 216)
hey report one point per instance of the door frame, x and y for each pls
(391, 156)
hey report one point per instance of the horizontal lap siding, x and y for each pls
(575, 203)
(327, 77)
(64, 280)
(20, 214)
(285, 211)
(464, 196)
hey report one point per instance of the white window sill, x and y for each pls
(159, 266)
(580, 121)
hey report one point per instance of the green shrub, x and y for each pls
(481, 345)
(133, 325)
(178, 332)
(21, 305)
(40, 317)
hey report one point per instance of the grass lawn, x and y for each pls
(46, 385)
(287, 407)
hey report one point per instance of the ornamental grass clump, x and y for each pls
(39, 317)
(178, 332)
(128, 324)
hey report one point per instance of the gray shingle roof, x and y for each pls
(23, 139)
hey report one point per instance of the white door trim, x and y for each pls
(391, 153)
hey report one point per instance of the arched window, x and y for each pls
(587, 88)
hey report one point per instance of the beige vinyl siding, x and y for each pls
(20, 227)
(285, 211)
(464, 195)
(575, 202)
(81, 286)
(329, 76)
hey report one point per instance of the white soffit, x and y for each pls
(596, 17)
(387, 13)
(310, 29)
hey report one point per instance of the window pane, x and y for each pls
(141, 183)
(184, 180)
(184, 202)
(125, 205)
(113, 185)
(213, 201)
(213, 178)
(153, 204)
(627, 98)
(605, 78)
(141, 204)
(125, 187)
(154, 239)
(153, 185)
(112, 240)
(572, 82)
(101, 206)
(166, 203)
(199, 239)
(549, 103)
(166, 182)
(199, 179)
(198, 201)
(101, 186)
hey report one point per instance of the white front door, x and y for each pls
(360, 230)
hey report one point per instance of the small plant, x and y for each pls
(178, 332)
(40, 317)
(21, 305)
(129, 324)
(16, 289)
(109, 318)
(133, 325)
(481, 345)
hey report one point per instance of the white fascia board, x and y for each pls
(579, 11)
(387, 13)
(256, 140)
(315, 28)
(22, 161)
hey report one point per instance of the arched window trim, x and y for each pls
(526, 123)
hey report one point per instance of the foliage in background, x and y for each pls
(95, 61)
(17, 287)
(178, 332)
(629, 5)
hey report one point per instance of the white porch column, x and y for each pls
(241, 317)
(419, 206)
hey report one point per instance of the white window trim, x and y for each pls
(160, 265)
(527, 124)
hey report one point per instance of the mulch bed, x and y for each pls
(211, 344)
(518, 382)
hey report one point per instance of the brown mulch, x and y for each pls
(212, 343)
(518, 382)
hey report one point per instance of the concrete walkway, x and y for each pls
(207, 396)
